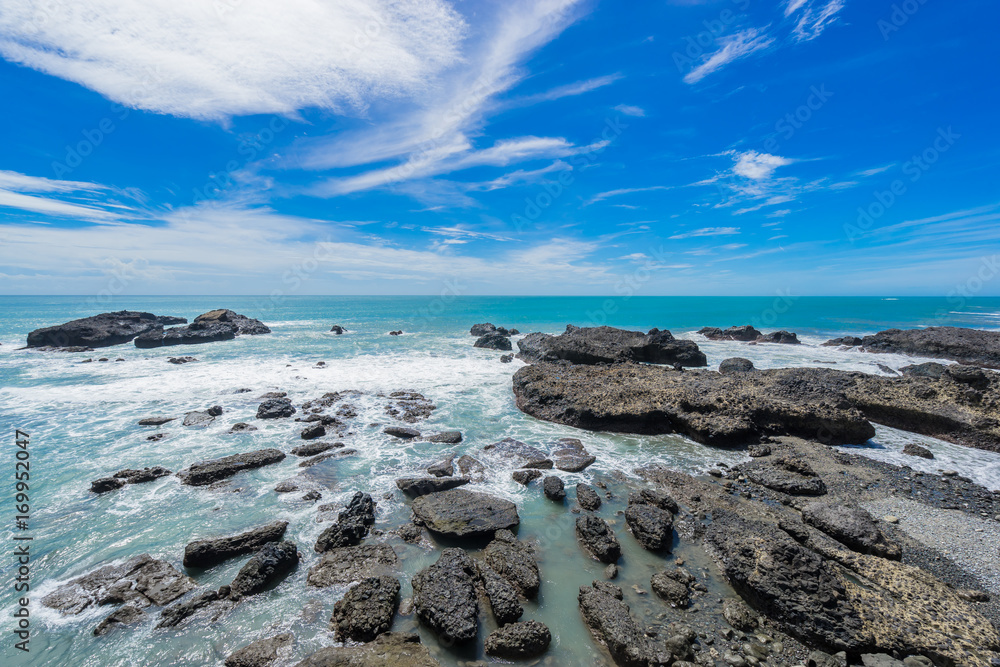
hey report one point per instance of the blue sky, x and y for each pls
(521, 147)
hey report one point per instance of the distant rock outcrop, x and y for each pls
(973, 347)
(215, 325)
(101, 330)
(597, 345)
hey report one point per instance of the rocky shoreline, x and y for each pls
(791, 558)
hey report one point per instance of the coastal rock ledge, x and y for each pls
(598, 345)
(973, 347)
(101, 330)
(215, 325)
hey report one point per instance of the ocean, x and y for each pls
(82, 421)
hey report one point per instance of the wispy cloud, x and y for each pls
(559, 92)
(732, 47)
(814, 18)
(629, 110)
(707, 231)
(601, 196)
(875, 170)
(64, 199)
(758, 166)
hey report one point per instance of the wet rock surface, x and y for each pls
(344, 565)
(366, 610)
(587, 497)
(444, 596)
(652, 526)
(598, 539)
(265, 569)
(393, 648)
(260, 653)
(353, 525)
(503, 596)
(967, 346)
(596, 345)
(208, 552)
(494, 341)
(128, 476)
(208, 472)
(213, 326)
(514, 561)
(415, 487)
(101, 330)
(275, 408)
(519, 641)
(610, 621)
(464, 514)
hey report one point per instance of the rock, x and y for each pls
(518, 641)
(554, 488)
(415, 487)
(127, 615)
(744, 333)
(338, 454)
(101, 330)
(966, 346)
(851, 526)
(464, 514)
(506, 358)
(264, 569)
(654, 497)
(398, 332)
(598, 539)
(469, 466)
(652, 527)
(888, 518)
(208, 472)
(611, 571)
(736, 365)
(155, 421)
(525, 477)
(587, 497)
(847, 341)
(261, 653)
(445, 468)
(242, 427)
(482, 329)
(215, 325)
(105, 484)
(275, 408)
(518, 452)
(342, 566)
(572, 456)
(175, 614)
(337, 329)
(515, 562)
(671, 586)
(711, 408)
(446, 437)
(493, 341)
(610, 621)
(786, 474)
(208, 552)
(314, 448)
(287, 486)
(913, 449)
(353, 525)
(444, 596)
(409, 406)
(783, 337)
(880, 660)
(132, 476)
(597, 345)
(180, 360)
(366, 610)
(501, 594)
(392, 648)
(313, 432)
(141, 580)
(401, 432)
(198, 419)
(740, 616)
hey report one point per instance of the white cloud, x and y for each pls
(758, 166)
(630, 110)
(65, 199)
(732, 48)
(792, 6)
(814, 20)
(875, 170)
(569, 90)
(601, 196)
(212, 60)
(708, 231)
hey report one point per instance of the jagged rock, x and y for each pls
(672, 587)
(401, 432)
(519, 641)
(155, 421)
(101, 330)
(554, 488)
(967, 346)
(464, 514)
(851, 526)
(514, 561)
(654, 497)
(493, 341)
(242, 427)
(314, 448)
(313, 432)
(180, 360)
(215, 325)
(105, 484)
(175, 614)
(342, 566)
(445, 468)
(446, 437)
(501, 594)
(744, 333)
(596, 345)
(736, 365)
(275, 408)
(392, 648)
(786, 474)
(913, 449)
(597, 537)
(421, 486)
(506, 358)
(470, 467)
(353, 525)
(783, 337)
(261, 653)
(409, 406)
(740, 616)
(366, 610)
(337, 329)
(208, 552)
(610, 621)
(482, 329)
(930, 369)
(651, 526)
(265, 568)
(517, 451)
(587, 497)
(444, 597)
(208, 472)
(127, 615)
(525, 477)
(847, 341)
(571, 455)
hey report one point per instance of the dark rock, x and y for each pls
(313, 432)
(913, 449)
(783, 337)
(446, 437)
(175, 614)
(515, 450)
(127, 615)
(744, 333)
(398, 332)
(931, 369)
(401, 432)
(215, 325)
(105, 484)
(101, 330)
(208, 472)
(501, 594)
(736, 365)
(597, 537)
(353, 525)
(482, 329)
(337, 329)
(275, 408)
(198, 419)
(392, 648)
(338, 454)
(366, 610)
(180, 360)
(265, 569)
(208, 552)
(571, 456)
(242, 427)
(851, 526)
(519, 641)
(464, 514)
(786, 474)
(596, 345)
(671, 586)
(155, 421)
(587, 497)
(215, 411)
(967, 346)
(261, 653)
(493, 341)
(554, 488)
(421, 486)
(651, 526)
(654, 497)
(342, 566)
(515, 562)
(409, 406)
(287, 486)
(506, 358)
(740, 616)
(610, 621)
(444, 596)
(847, 341)
(314, 448)
(469, 466)
(128, 476)
(525, 477)
(445, 468)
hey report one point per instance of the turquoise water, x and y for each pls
(82, 419)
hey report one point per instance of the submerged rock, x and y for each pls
(519, 641)
(444, 596)
(208, 472)
(366, 610)
(127, 615)
(464, 514)
(596, 345)
(101, 330)
(208, 552)
(268, 566)
(392, 648)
